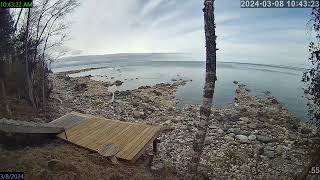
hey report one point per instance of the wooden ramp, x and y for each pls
(14, 126)
(95, 133)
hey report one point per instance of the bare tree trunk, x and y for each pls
(6, 100)
(205, 109)
(30, 85)
(43, 69)
(17, 21)
(43, 84)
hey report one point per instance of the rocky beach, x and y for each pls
(253, 138)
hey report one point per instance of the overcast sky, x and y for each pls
(269, 36)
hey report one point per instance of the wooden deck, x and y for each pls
(94, 133)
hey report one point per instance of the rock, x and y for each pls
(233, 116)
(244, 119)
(269, 154)
(293, 136)
(280, 149)
(158, 93)
(144, 87)
(118, 83)
(244, 132)
(274, 100)
(209, 140)
(124, 93)
(269, 148)
(235, 82)
(252, 137)
(106, 84)
(305, 130)
(67, 78)
(252, 126)
(242, 138)
(236, 131)
(81, 87)
(229, 138)
(220, 131)
(138, 114)
(157, 167)
(264, 139)
(167, 122)
(213, 127)
(258, 150)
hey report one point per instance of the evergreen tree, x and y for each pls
(6, 32)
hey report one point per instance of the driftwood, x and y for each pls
(58, 99)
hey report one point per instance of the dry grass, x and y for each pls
(76, 163)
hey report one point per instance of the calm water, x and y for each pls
(137, 70)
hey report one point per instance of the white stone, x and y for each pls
(252, 137)
(220, 131)
(242, 138)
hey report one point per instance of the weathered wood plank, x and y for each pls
(69, 120)
(14, 126)
(143, 146)
(129, 147)
(137, 146)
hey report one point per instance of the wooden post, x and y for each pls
(155, 146)
(65, 134)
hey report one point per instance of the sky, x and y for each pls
(268, 36)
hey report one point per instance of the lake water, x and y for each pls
(148, 69)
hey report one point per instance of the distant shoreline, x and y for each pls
(79, 70)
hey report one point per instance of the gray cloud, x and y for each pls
(133, 26)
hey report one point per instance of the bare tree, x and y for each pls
(45, 29)
(17, 20)
(50, 23)
(29, 83)
(205, 109)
